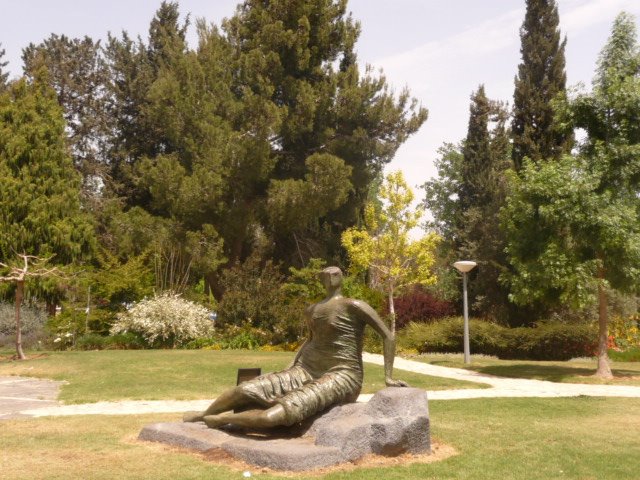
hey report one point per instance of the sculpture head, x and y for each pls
(331, 278)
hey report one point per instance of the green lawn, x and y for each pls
(573, 371)
(173, 374)
(533, 439)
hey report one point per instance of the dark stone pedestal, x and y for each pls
(394, 421)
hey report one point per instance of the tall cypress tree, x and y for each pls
(40, 212)
(476, 153)
(467, 195)
(4, 76)
(482, 193)
(541, 76)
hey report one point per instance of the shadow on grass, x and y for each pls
(552, 373)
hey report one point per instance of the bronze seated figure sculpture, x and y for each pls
(327, 370)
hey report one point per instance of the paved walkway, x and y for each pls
(18, 394)
(22, 397)
(501, 386)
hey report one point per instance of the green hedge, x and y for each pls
(630, 355)
(546, 341)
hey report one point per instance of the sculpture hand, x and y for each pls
(395, 383)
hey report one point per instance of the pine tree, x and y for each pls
(77, 73)
(541, 77)
(299, 55)
(133, 68)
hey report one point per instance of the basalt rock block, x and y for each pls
(396, 420)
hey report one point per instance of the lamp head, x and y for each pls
(465, 266)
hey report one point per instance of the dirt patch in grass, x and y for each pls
(14, 357)
(439, 452)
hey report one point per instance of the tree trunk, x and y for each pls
(604, 368)
(19, 295)
(392, 313)
(51, 308)
(212, 285)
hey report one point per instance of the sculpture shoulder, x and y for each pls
(309, 309)
(360, 307)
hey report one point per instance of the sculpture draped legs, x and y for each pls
(281, 398)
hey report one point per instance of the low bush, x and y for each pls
(545, 341)
(32, 321)
(550, 341)
(91, 341)
(120, 341)
(446, 336)
(165, 321)
(233, 337)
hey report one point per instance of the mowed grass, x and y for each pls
(110, 375)
(572, 371)
(534, 439)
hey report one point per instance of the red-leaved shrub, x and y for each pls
(420, 306)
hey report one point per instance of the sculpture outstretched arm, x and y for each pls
(388, 341)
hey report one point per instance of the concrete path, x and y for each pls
(21, 397)
(501, 386)
(18, 394)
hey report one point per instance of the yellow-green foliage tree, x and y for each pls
(384, 247)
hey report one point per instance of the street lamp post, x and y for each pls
(465, 266)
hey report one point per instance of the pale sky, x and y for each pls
(442, 50)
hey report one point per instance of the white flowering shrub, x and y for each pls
(165, 320)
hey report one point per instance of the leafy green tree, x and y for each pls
(573, 226)
(571, 241)
(541, 77)
(442, 196)
(384, 248)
